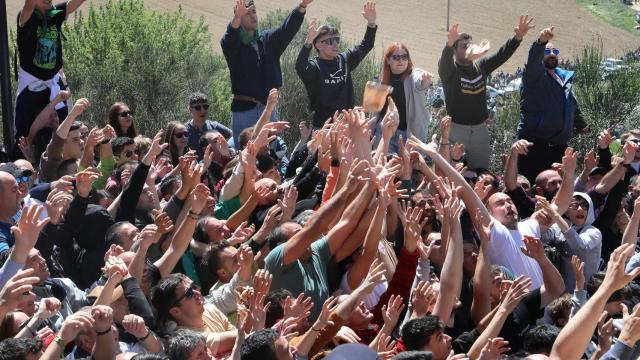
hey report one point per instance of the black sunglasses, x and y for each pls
(395, 57)
(180, 134)
(126, 113)
(200, 107)
(128, 153)
(331, 40)
(188, 294)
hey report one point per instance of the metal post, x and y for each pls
(448, 11)
(5, 81)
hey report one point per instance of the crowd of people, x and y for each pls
(367, 239)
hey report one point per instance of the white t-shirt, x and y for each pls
(504, 249)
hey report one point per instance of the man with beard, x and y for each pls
(548, 109)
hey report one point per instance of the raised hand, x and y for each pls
(48, 308)
(26, 148)
(16, 289)
(300, 306)
(426, 79)
(79, 107)
(357, 174)
(155, 149)
(578, 270)
(369, 12)
(384, 346)
(162, 221)
(521, 147)
(605, 138)
(445, 128)
(533, 248)
(242, 234)
(391, 312)
(546, 35)
(312, 32)
(135, 325)
(198, 197)
(102, 317)
(453, 35)
(28, 228)
(615, 277)
(424, 297)
(518, 290)
(241, 9)
(74, 325)
(328, 308)
(590, 161)
(570, 161)
(85, 179)
(494, 349)
(288, 203)
(524, 25)
(629, 150)
(413, 228)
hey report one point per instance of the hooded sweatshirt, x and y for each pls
(583, 241)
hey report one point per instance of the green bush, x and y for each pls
(152, 61)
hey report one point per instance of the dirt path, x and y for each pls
(421, 24)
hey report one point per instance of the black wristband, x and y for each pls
(146, 336)
(100, 333)
(335, 162)
(104, 142)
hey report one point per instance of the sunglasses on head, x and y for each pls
(555, 52)
(331, 40)
(126, 113)
(395, 57)
(188, 294)
(200, 107)
(180, 134)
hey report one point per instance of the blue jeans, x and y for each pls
(241, 120)
(394, 143)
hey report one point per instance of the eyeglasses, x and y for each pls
(22, 179)
(200, 107)
(403, 57)
(188, 294)
(126, 113)
(331, 40)
(577, 204)
(555, 52)
(180, 134)
(637, 141)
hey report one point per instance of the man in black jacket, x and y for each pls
(327, 77)
(464, 76)
(253, 58)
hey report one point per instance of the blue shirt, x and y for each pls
(6, 238)
(195, 134)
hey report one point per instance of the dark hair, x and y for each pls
(211, 258)
(167, 183)
(97, 195)
(112, 236)
(495, 183)
(414, 355)
(260, 345)
(596, 280)
(197, 98)
(200, 232)
(278, 236)
(203, 142)
(264, 162)
(275, 311)
(15, 349)
(169, 130)
(540, 339)
(118, 171)
(150, 356)
(118, 144)
(463, 37)
(325, 30)
(75, 126)
(416, 332)
(244, 137)
(163, 295)
(113, 114)
(62, 167)
(6, 326)
(182, 343)
(560, 308)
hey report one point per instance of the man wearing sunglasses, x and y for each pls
(464, 79)
(253, 57)
(327, 77)
(548, 109)
(199, 124)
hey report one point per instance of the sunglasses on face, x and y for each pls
(201, 107)
(331, 40)
(180, 135)
(22, 179)
(403, 57)
(555, 52)
(126, 113)
(128, 153)
(188, 294)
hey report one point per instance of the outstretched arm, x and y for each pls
(490, 63)
(319, 222)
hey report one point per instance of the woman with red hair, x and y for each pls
(409, 87)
